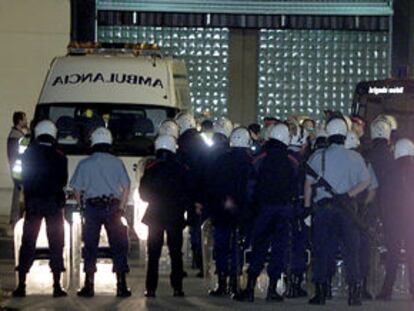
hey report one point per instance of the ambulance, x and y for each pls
(130, 89)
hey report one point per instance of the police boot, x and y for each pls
(328, 289)
(121, 286)
(234, 288)
(248, 293)
(298, 290)
(20, 291)
(221, 289)
(88, 288)
(354, 294)
(57, 289)
(365, 294)
(272, 294)
(320, 295)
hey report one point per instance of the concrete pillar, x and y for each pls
(243, 55)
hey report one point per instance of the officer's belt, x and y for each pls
(103, 202)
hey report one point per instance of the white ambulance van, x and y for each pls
(129, 90)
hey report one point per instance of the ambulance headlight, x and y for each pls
(140, 207)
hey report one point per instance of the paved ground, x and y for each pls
(196, 298)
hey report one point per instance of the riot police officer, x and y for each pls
(44, 175)
(274, 189)
(398, 197)
(339, 175)
(296, 254)
(164, 187)
(230, 210)
(189, 153)
(379, 154)
(104, 182)
(364, 213)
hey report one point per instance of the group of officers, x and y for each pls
(291, 187)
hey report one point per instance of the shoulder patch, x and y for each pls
(60, 152)
(151, 164)
(259, 157)
(293, 160)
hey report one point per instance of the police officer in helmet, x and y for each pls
(164, 187)
(230, 210)
(398, 198)
(275, 187)
(104, 182)
(44, 175)
(339, 175)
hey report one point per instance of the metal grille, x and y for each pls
(205, 51)
(306, 72)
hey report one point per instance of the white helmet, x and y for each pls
(280, 132)
(45, 127)
(404, 147)
(380, 129)
(348, 121)
(223, 126)
(185, 121)
(336, 126)
(169, 127)
(101, 136)
(166, 142)
(389, 119)
(240, 137)
(321, 132)
(352, 140)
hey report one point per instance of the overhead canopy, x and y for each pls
(269, 7)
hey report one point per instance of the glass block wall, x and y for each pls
(205, 51)
(307, 71)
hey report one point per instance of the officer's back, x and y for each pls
(275, 174)
(164, 187)
(44, 170)
(340, 167)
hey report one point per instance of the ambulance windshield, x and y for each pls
(133, 127)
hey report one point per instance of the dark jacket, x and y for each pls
(189, 154)
(232, 175)
(380, 156)
(398, 196)
(165, 187)
(276, 182)
(44, 172)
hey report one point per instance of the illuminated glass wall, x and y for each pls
(205, 51)
(307, 71)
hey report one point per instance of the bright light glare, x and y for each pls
(207, 140)
(22, 149)
(39, 279)
(140, 207)
(17, 167)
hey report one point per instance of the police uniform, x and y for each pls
(296, 253)
(190, 149)
(398, 198)
(164, 186)
(343, 169)
(230, 180)
(275, 187)
(101, 177)
(44, 175)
